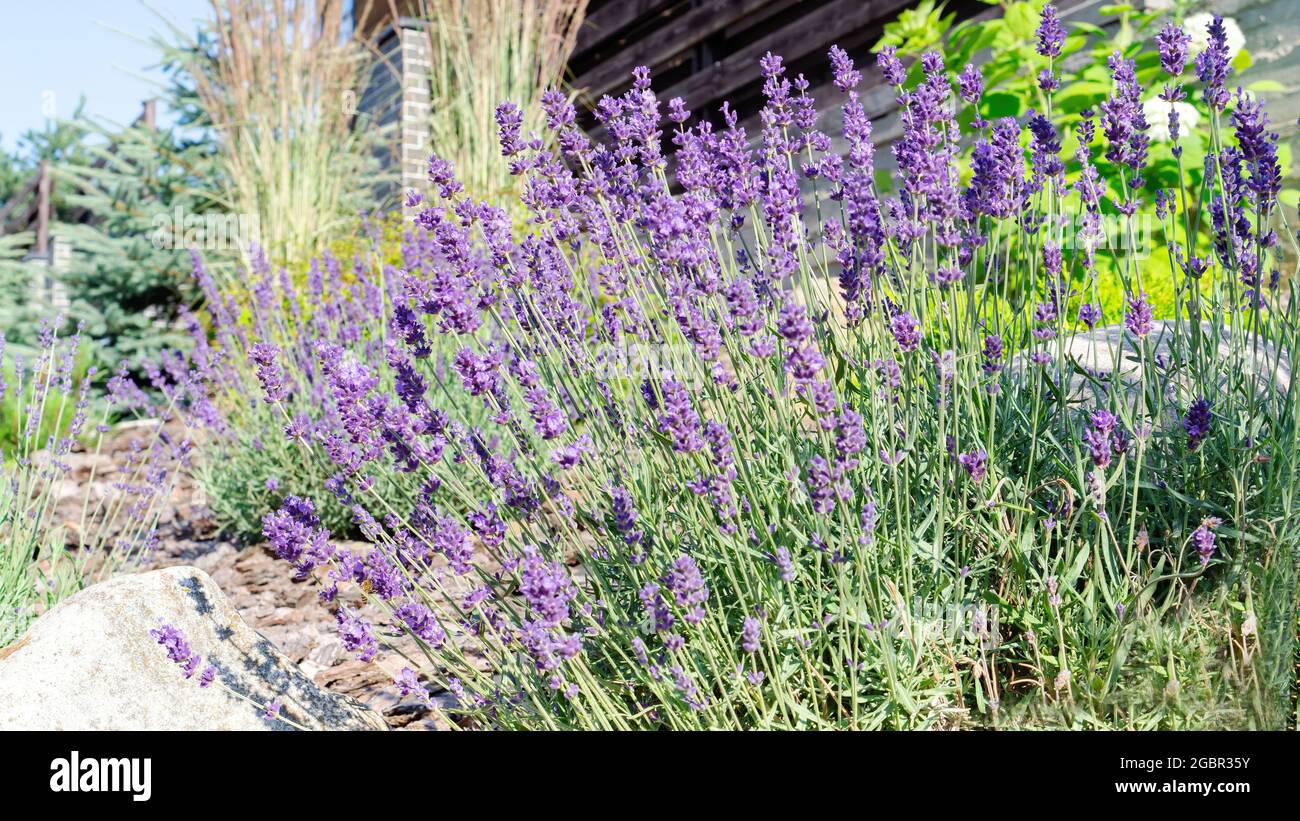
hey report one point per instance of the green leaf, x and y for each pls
(1000, 104)
(1266, 86)
(1022, 20)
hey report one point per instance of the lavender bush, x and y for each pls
(267, 390)
(722, 455)
(60, 530)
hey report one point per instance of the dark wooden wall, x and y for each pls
(707, 51)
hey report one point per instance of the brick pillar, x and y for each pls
(60, 261)
(413, 114)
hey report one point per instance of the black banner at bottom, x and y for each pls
(300, 772)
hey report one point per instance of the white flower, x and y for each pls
(1197, 26)
(1156, 112)
(1249, 627)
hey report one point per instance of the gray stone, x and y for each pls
(90, 664)
(1105, 359)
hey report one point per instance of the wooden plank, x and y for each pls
(818, 30)
(773, 9)
(612, 18)
(680, 34)
(43, 210)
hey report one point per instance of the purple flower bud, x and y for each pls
(687, 585)
(1196, 423)
(1203, 538)
(1051, 35)
(970, 84)
(993, 353)
(975, 464)
(272, 710)
(1090, 314)
(266, 357)
(749, 635)
(1137, 318)
(906, 331)
(1212, 66)
(1172, 44)
(891, 68)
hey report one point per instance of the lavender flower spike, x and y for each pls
(1138, 316)
(1051, 35)
(1172, 44)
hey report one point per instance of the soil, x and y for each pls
(261, 587)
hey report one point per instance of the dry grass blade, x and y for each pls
(279, 81)
(482, 54)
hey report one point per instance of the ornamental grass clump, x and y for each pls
(277, 84)
(482, 52)
(768, 448)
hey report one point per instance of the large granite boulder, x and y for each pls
(90, 664)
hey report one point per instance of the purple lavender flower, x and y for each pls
(822, 480)
(295, 534)
(1103, 420)
(1258, 148)
(679, 420)
(478, 373)
(354, 633)
(784, 564)
(272, 710)
(442, 175)
(850, 436)
(1090, 314)
(549, 419)
(1045, 147)
(749, 635)
(970, 84)
(1137, 318)
(1212, 66)
(686, 583)
(408, 684)
(625, 516)
(656, 609)
(178, 649)
(1196, 423)
(846, 77)
(997, 168)
(1099, 446)
(546, 588)
(1051, 34)
(1203, 537)
(510, 122)
(993, 353)
(975, 464)
(891, 68)
(906, 331)
(1172, 44)
(1123, 120)
(266, 357)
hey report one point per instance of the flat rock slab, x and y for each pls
(1109, 355)
(90, 664)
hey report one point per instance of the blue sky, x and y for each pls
(54, 51)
